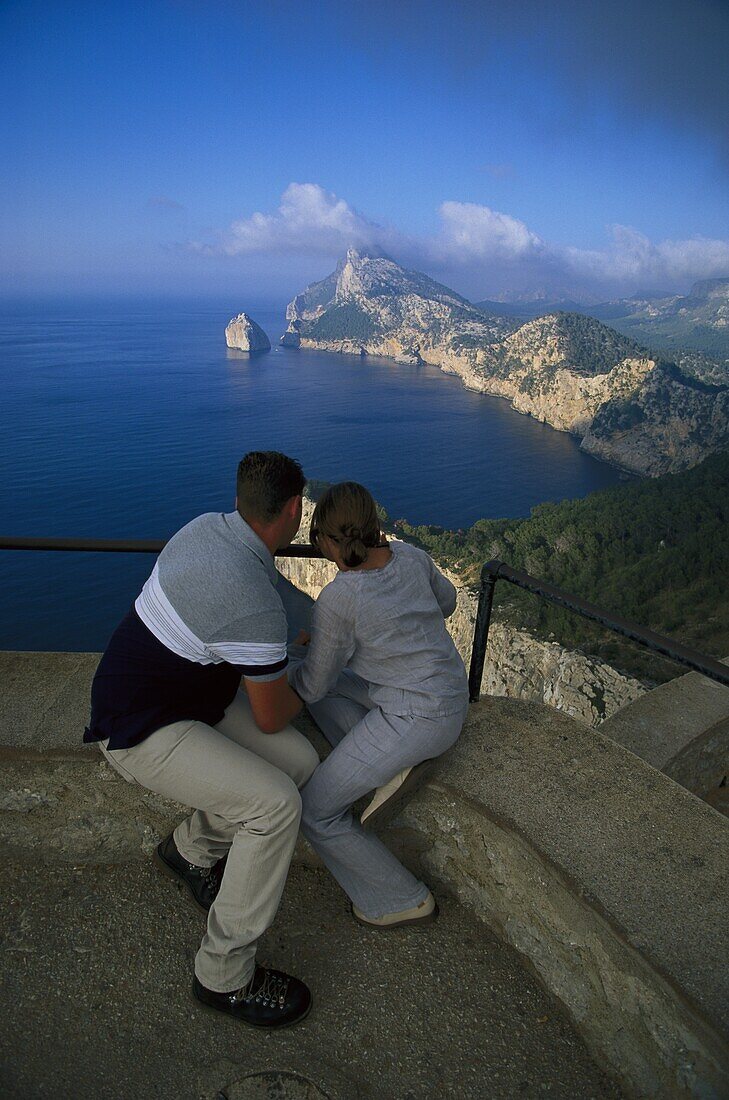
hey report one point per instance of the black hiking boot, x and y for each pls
(202, 883)
(271, 999)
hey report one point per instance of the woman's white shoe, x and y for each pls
(384, 794)
(389, 799)
(424, 913)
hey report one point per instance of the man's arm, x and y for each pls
(256, 642)
(273, 703)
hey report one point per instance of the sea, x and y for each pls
(125, 419)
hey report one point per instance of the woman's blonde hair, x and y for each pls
(347, 514)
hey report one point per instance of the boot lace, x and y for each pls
(211, 876)
(265, 987)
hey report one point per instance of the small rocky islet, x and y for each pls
(244, 334)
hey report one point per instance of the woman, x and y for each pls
(385, 683)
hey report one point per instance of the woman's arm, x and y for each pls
(444, 592)
(330, 648)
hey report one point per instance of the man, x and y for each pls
(167, 714)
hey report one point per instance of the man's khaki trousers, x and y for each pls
(243, 784)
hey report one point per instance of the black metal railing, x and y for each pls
(491, 572)
(494, 571)
(128, 546)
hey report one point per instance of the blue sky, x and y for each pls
(184, 147)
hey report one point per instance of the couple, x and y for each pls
(195, 694)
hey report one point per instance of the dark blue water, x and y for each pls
(127, 420)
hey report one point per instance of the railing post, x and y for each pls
(489, 576)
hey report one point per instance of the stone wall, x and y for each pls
(605, 875)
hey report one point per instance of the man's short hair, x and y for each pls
(266, 480)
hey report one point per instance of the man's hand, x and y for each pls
(302, 638)
(273, 703)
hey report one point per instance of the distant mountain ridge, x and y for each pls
(697, 321)
(527, 309)
(567, 369)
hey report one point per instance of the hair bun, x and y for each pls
(354, 550)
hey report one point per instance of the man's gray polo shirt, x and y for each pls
(212, 597)
(208, 613)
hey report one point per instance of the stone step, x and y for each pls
(681, 728)
(606, 874)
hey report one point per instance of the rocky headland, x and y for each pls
(627, 406)
(244, 334)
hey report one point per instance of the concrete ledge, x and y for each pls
(606, 875)
(681, 728)
(45, 698)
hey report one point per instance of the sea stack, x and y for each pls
(243, 333)
(292, 337)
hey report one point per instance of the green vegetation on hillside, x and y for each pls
(674, 334)
(590, 347)
(694, 364)
(654, 551)
(345, 321)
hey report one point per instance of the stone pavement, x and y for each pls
(97, 952)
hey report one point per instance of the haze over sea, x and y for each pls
(127, 419)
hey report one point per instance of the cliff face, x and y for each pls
(666, 424)
(517, 665)
(523, 667)
(372, 305)
(564, 369)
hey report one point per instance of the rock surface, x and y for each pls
(622, 914)
(98, 968)
(593, 866)
(292, 337)
(243, 333)
(565, 369)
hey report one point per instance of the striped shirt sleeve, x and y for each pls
(256, 644)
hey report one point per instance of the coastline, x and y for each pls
(625, 405)
(470, 382)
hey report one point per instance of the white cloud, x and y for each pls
(486, 249)
(633, 261)
(470, 230)
(309, 219)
